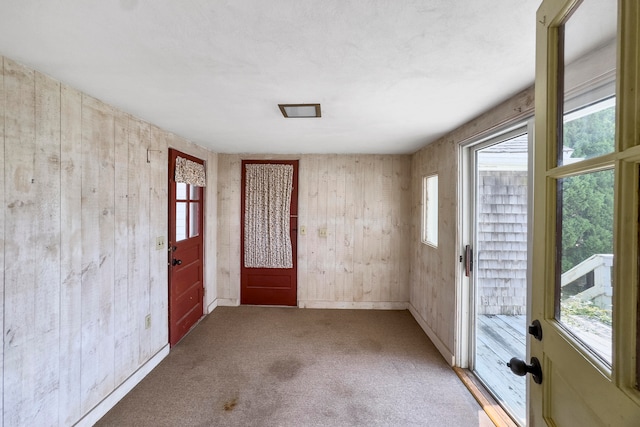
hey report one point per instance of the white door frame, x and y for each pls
(466, 214)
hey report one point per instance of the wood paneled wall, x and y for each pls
(363, 201)
(433, 270)
(434, 281)
(84, 196)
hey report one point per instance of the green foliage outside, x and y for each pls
(587, 208)
(585, 309)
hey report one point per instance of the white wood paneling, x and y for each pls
(2, 233)
(47, 280)
(159, 207)
(139, 146)
(210, 224)
(124, 361)
(70, 254)
(434, 271)
(360, 170)
(20, 340)
(228, 277)
(362, 201)
(82, 204)
(97, 252)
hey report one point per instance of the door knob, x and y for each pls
(520, 368)
(535, 329)
(176, 262)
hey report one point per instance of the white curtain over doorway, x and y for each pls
(267, 243)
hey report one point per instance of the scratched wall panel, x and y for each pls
(2, 216)
(139, 305)
(48, 237)
(225, 230)
(303, 206)
(70, 255)
(311, 175)
(361, 200)
(81, 207)
(20, 339)
(211, 236)
(125, 342)
(158, 159)
(434, 271)
(97, 252)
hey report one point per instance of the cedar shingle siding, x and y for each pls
(502, 242)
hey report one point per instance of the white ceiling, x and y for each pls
(391, 75)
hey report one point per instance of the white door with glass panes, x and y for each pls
(585, 230)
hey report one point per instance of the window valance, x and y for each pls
(190, 172)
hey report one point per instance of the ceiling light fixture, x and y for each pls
(300, 110)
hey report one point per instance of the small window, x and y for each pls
(430, 210)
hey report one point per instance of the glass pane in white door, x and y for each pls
(500, 271)
(586, 259)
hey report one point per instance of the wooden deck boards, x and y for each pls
(498, 339)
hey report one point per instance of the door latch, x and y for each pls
(535, 329)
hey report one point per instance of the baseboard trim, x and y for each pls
(359, 305)
(493, 410)
(444, 351)
(212, 306)
(228, 302)
(98, 411)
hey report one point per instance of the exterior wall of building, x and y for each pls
(501, 251)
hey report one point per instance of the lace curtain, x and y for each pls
(267, 243)
(190, 172)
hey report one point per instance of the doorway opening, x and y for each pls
(269, 222)
(496, 265)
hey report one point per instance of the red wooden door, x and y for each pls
(186, 290)
(270, 286)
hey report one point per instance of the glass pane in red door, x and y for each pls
(195, 192)
(181, 190)
(181, 221)
(194, 213)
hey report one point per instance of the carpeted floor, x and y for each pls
(264, 366)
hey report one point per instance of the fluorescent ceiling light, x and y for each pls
(300, 110)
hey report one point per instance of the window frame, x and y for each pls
(430, 210)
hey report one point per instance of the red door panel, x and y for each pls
(186, 289)
(271, 286)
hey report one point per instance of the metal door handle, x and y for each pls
(176, 262)
(468, 260)
(535, 329)
(520, 368)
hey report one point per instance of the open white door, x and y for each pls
(586, 217)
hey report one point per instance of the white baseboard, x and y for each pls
(228, 302)
(354, 305)
(444, 351)
(212, 306)
(98, 411)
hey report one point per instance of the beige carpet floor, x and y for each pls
(265, 366)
